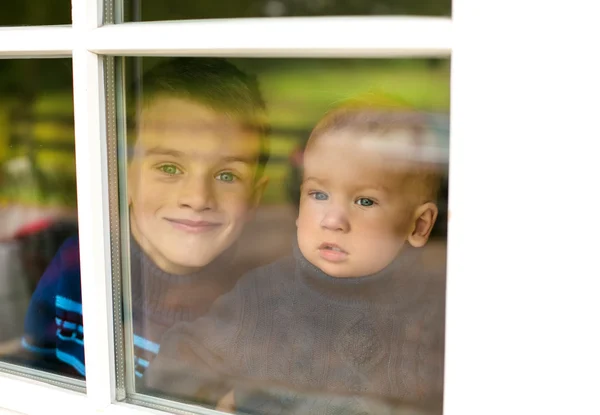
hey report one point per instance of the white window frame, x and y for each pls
(499, 348)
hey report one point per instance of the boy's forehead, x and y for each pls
(193, 129)
(165, 107)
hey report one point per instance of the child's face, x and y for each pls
(192, 183)
(354, 217)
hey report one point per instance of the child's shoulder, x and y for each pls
(64, 267)
(69, 252)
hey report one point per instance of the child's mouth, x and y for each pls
(332, 252)
(193, 226)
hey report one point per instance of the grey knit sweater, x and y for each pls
(159, 300)
(289, 339)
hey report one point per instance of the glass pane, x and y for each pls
(287, 233)
(40, 307)
(147, 10)
(35, 12)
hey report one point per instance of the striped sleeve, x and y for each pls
(53, 338)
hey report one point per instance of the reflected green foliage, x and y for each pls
(37, 152)
(35, 12)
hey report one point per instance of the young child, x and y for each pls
(195, 176)
(353, 323)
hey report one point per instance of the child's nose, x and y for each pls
(335, 219)
(197, 194)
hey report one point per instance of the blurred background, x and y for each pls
(38, 203)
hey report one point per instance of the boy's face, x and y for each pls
(354, 217)
(192, 183)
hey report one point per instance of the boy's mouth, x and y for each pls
(332, 252)
(193, 226)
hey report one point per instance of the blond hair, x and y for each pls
(383, 118)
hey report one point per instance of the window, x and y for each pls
(521, 264)
(238, 170)
(41, 325)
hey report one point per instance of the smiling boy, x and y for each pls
(195, 176)
(353, 323)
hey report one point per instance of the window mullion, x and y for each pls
(18, 42)
(92, 198)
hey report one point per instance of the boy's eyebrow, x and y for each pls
(162, 151)
(241, 159)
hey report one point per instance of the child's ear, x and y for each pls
(423, 221)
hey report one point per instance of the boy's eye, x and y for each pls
(364, 201)
(169, 169)
(319, 195)
(226, 176)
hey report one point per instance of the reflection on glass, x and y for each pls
(40, 327)
(35, 12)
(138, 10)
(287, 233)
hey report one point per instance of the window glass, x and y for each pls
(40, 307)
(286, 228)
(138, 10)
(35, 12)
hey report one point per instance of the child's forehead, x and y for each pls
(167, 108)
(192, 128)
(365, 147)
(398, 149)
(360, 162)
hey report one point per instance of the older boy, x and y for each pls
(195, 176)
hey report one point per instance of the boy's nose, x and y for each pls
(197, 194)
(335, 220)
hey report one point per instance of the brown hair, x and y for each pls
(215, 83)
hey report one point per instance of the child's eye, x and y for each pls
(170, 169)
(318, 195)
(226, 176)
(365, 202)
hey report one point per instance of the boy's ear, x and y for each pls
(259, 190)
(129, 182)
(423, 221)
(132, 179)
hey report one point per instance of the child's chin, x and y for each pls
(346, 270)
(185, 265)
(336, 270)
(198, 263)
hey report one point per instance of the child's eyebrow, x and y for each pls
(313, 179)
(162, 151)
(376, 187)
(240, 159)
